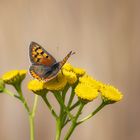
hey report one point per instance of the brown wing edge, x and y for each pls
(34, 44)
(66, 58)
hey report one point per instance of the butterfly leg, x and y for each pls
(61, 72)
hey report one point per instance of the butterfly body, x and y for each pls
(44, 66)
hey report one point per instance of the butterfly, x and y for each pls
(44, 66)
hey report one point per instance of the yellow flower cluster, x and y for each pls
(57, 83)
(110, 94)
(37, 87)
(67, 67)
(86, 79)
(86, 92)
(87, 88)
(70, 76)
(22, 74)
(71, 73)
(14, 76)
(79, 71)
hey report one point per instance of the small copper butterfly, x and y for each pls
(44, 66)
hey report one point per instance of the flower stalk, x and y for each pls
(84, 89)
(49, 106)
(93, 113)
(31, 123)
(58, 128)
(31, 114)
(19, 91)
(15, 79)
(74, 122)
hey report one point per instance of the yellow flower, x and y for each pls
(79, 71)
(2, 85)
(37, 87)
(22, 74)
(10, 77)
(86, 79)
(70, 76)
(110, 94)
(86, 92)
(67, 67)
(57, 83)
(14, 76)
(68, 72)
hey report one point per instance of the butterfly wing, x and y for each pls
(44, 73)
(44, 66)
(38, 55)
(61, 63)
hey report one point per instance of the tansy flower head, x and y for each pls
(70, 76)
(2, 85)
(14, 76)
(86, 92)
(79, 71)
(22, 74)
(86, 79)
(37, 87)
(57, 83)
(110, 94)
(10, 77)
(67, 67)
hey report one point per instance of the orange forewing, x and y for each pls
(40, 56)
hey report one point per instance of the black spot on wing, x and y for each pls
(42, 53)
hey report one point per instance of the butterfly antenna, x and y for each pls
(73, 52)
(66, 58)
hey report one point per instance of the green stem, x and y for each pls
(93, 113)
(65, 91)
(31, 121)
(18, 88)
(49, 106)
(74, 122)
(59, 99)
(31, 114)
(74, 105)
(68, 106)
(31, 118)
(71, 97)
(35, 105)
(65, 122)
(10, 93)
(58, 129)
